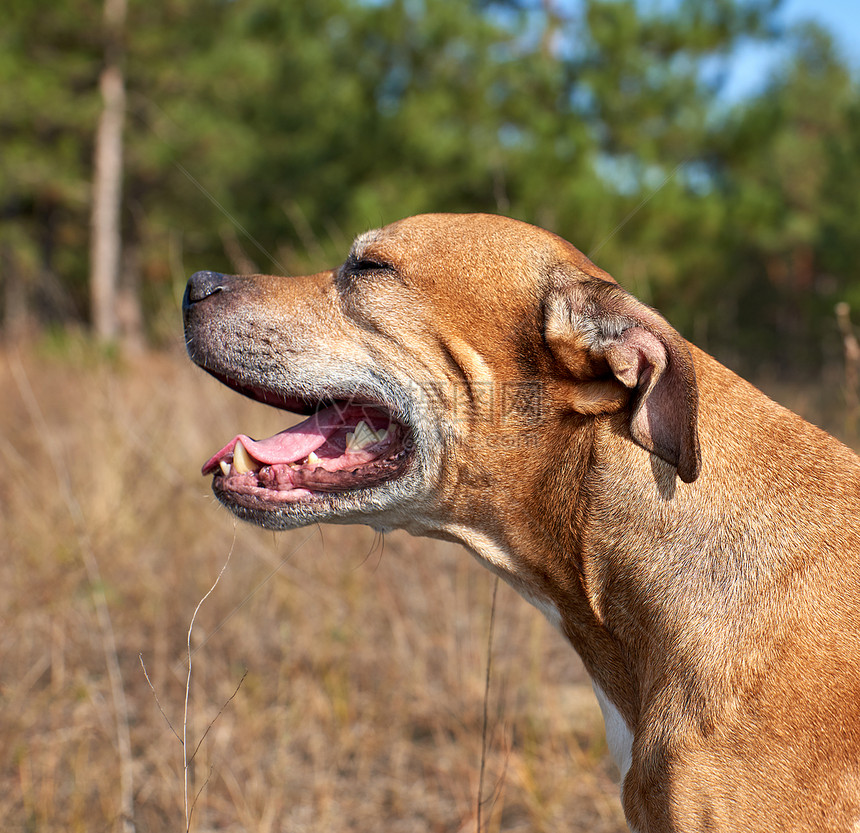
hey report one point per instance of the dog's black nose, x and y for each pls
(202, 285)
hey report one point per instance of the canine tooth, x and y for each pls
(313, 460)
(225, 467)
(363, 436)
(242, 461)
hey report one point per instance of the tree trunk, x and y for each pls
(16, 301)
(105, 229)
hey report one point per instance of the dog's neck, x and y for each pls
(705, 577)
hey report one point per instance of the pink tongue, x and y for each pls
(297, 442)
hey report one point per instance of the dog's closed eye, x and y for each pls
(366, 264)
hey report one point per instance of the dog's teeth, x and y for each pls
(363, 436)
(383, 435)
(313, 460)
(242, 461)
(225, 467)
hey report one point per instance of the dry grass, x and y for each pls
(362, 705)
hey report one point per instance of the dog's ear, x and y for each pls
(621, 354)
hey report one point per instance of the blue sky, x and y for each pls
(840, 17)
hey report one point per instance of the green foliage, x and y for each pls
(48, 73)
(263, 134)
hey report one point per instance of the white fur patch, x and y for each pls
(619, 738)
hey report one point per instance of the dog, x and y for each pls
(477, 379)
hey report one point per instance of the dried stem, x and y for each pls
(186, 761)
(485, 725)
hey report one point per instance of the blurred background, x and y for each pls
(705, 152)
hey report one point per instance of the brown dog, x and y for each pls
(478, 379)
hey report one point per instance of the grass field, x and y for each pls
(338, 679)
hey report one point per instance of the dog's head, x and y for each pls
(449, 358)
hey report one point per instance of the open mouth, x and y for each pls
(343, 445)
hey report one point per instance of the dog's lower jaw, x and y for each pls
(357, 508)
